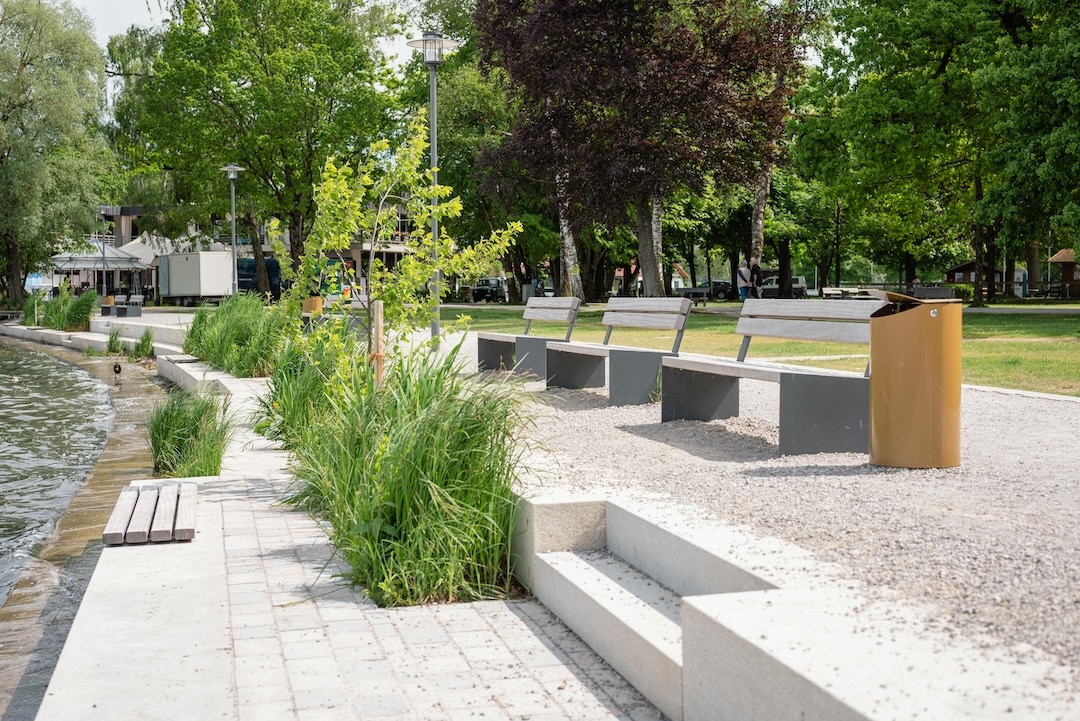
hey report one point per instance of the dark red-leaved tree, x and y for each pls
(624, 99)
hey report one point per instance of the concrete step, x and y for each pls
(623, 614)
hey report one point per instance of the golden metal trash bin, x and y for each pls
(915, 372)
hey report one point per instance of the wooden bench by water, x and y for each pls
(154, 512)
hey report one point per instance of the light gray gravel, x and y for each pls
(989, 549)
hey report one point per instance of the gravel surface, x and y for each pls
(988, 549)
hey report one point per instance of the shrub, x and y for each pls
(67, 311)
(188, 434)
(415, 478)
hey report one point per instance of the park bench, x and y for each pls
(152, 511)
(697, 295)
(125, 306)
(821, 410)
(632, 374)
(527, 353)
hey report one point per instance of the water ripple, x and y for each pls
(54, 421)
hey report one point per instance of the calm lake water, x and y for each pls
(54, 422)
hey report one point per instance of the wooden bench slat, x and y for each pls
(138, 530)
(165, 514)
(858, 310)
(184, 529)
(658, 321)
(818, 330)
(557, 315)
(116, 527)
(649, 305)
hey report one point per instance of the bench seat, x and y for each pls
(821, 410)
(527, 354)
(152, 511)
(632, 375)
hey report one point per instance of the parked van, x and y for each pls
(770, 287)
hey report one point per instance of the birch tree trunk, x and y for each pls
(650, 243)
(571, 270)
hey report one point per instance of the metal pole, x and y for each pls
(232, 188)
(435, 284)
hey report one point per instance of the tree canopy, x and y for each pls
(275, 86)
(51, 157)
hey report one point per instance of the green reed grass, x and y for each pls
(414, 478)
(239, 337)
(114, 346)
(144, 347)
(188, 434)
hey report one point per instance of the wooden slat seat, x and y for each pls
(154, 512)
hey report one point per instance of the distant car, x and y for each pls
(490, 290)
(770, 287)
(724, 290)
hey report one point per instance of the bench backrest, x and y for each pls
(832, 321)
(656, 313)
(556, 310)
(136, 299)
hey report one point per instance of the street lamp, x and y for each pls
(432, 45)
(233, 171)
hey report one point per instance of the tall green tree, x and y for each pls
(275, 86)
(904, 87)
(51, 158)
(623, 101)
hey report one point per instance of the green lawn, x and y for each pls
(1025, 351)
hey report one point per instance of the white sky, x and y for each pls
(114, 17)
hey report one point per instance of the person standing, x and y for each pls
(742, 280)
(755, 278)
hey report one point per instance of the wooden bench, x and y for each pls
(697, 295)
(820, 410)
(154, 511)
(632, 374)
(527, 353)
(124, 307)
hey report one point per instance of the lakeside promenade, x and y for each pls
(250, 622)
(422, 658)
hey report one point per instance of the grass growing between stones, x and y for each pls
(414, 478)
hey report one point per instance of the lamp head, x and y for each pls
(233, 170)
(432, 45)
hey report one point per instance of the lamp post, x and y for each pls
(432, 45)
(102, 209)
(233, 170)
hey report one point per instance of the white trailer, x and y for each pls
(193, 278)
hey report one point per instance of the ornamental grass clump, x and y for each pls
(414, 478)
(188, 434)
(239, 337)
